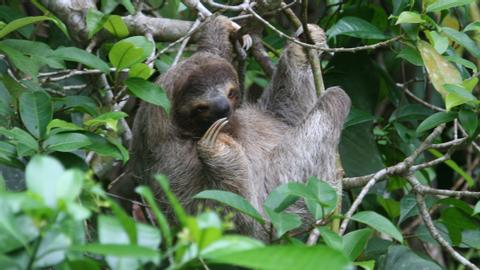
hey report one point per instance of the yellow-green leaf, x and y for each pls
(440, 71)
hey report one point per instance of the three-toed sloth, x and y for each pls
(211, 141)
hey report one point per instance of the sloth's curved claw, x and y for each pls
(211, 135)
(247, 42)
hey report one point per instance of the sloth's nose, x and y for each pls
(220, 108)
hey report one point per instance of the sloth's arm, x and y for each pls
(225, 164)
(309, 149)
(291, 93)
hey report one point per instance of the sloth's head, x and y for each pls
(209, 92)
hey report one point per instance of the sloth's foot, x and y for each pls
(210, 137)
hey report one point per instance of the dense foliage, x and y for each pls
(409, 150)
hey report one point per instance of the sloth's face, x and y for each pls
(203, 104)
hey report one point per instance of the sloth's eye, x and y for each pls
(232, 93)
(200, 109)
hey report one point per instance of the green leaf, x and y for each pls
(81, 56)
(233, 200)
(469, 121)
(476, 210)
(119, 250)
(331, 238)
(140, 70)
(454, 166)
(170, 9)
(446, 4)
(109, 119)
(325, 198)
(103, 147)
(39, 52)
(128, 6)
(20, 61)
(95, 20)
(142, 42)
(229, 244)
(36, 112)
(21, 138)
(411, 55)
(148, 92)
(464, 40)
(462, 61)
(177, 207)
(115, 25)
(473, 26)
(19, 23)
(287, 258)
(41, 175)
(354, 242)
(439, 70)
(124, 54)
(283, 221)
(457, 95)
(401, 258)
(146, 193)
(69, 185)
(355, 27)
(440, 42)
(435, 120)
(367, 265)
(61, 126)
(357, 116)
(66, 142)
(409, 17)
(379, 223)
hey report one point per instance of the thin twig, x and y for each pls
(437, 236)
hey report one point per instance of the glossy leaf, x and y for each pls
(140, 70)
(36, 112)
(287, 257)
(66, 142)
(231, 199)
(446, 4)
(115, 25)
(440, 71)
(283, 221)
(331, 238)
(81, 56)
(355, 242)
(457, 95)
(95, 20)
(124, 54)
(355, 27)
(464, 40)
(435, 120)
(409, 17)
(469, 121)
(21, 22)
(148, 92)
(379, 223)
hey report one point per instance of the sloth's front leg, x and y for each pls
(225, 163)
(226, 168)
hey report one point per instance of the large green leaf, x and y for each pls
(233, 200)
(355, 27)
(402, 258)
(115, 25)
(42, 175)
(464, 40)
(66, 142)
(124, 54)
(355, 242)
(283, 221)
(148, 92)
(446, 4)
(287, 258)
(379, 223)
(436, 119)
(19, 23)
(36, 112)
(38, 51)
(458, 95)
(439, 70)
(20, 61)
(81, 56)
(409, 17)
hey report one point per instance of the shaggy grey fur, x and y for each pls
(288, 135)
